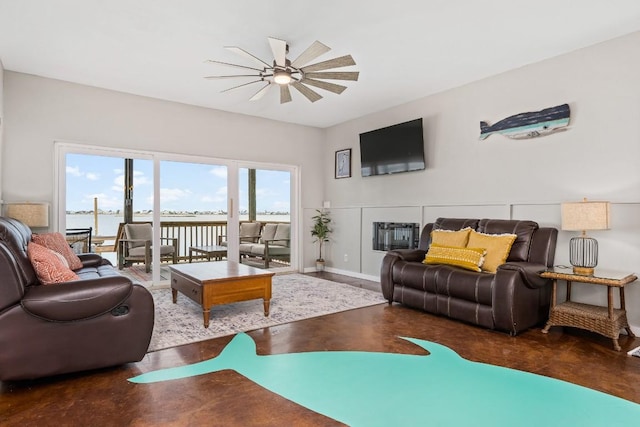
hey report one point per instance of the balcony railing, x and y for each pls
(187, 233)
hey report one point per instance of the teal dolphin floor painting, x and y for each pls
(439, 389)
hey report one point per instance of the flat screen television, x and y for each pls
(394, 149)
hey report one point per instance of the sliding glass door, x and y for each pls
(196, 205)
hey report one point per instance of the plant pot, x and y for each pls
(319, 265)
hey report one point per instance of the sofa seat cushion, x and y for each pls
(140, 250)
(97, 272)
(445, 281)
(465, 285)
(245, 248)
(259, 249)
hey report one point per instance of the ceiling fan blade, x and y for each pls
(285, 94)
(312, 52)
(343, 61)
(311, 95)
(279, 49)
(331, 87)
(244, 84)
(228, 77)
(233, 65)
(338, 75)
(259, 94)
(247, 55)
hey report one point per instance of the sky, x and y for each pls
(184, 187)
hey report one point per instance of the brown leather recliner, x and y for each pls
(513, 299)
(101, 320)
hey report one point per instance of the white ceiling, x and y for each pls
(404, 49)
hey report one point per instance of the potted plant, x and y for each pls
(320, 231)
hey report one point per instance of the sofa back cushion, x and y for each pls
(268, 232)
(524, 231)
(444, 224)
(282, 232)
(15, 235)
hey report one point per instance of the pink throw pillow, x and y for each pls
(49, 267)
(57, 242)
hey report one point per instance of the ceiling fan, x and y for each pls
(285, 73)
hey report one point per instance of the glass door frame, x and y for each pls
(61, 148)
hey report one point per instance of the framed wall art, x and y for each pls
(343, 163)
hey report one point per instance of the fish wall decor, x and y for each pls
(529, 125)
(390, 389)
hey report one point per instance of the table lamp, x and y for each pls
(35, 215)
(583, 216)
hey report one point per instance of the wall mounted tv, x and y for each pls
(394, 149)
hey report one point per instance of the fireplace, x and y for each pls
(395, 235)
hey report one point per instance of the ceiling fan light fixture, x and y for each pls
(282, 77)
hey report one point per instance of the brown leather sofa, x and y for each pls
(98, 321)
(513, 299)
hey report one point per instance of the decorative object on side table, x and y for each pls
(583, 216)
(343, 163)
(605, 321)
(321, 232)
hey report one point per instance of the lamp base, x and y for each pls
(583, 271)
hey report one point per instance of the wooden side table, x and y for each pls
(605, 321)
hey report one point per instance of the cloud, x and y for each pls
(219, 172)
(74, 170)
(168, 195)
(105, 202)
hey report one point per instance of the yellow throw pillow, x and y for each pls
(467, 258)
(498, 247)
(456, 238)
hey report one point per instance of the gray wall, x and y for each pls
(40, 111)
(503, 178)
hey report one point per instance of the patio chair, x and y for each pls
(135, 246)
(249, 233)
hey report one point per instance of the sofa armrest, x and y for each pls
(92, 260)
(520, 298)
(390, 259)
(77, 300)
(530, 273)
(408, 255)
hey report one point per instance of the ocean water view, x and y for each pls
(108, 224)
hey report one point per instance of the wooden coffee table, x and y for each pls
(220, 282)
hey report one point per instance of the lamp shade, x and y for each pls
(31, 214)
(585, 215)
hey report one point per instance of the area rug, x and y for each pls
(294, 297)
(390, 389)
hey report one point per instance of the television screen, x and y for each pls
(397, 148)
